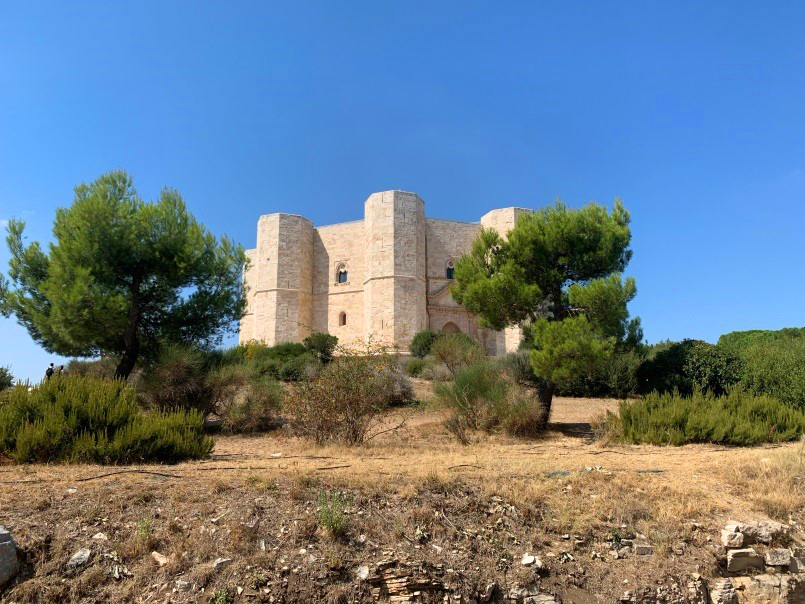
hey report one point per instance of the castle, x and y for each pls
(381, 279)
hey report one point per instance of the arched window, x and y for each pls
(342, 319)
(449, 271)
(341, 275)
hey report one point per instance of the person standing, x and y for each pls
(49, 372)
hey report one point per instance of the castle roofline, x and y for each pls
(283, 214)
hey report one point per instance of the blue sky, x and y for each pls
(691, 112)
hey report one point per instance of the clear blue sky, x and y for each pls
(692, 112)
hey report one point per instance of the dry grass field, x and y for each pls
(412, 494)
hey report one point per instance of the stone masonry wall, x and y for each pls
(335, 246)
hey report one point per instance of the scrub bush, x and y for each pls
(422, 343)
(88, 420)
(343, 401)
(415, 366)
(483, 397)
(457, 351)
(322, 345)
(687, 365)
(737, 418)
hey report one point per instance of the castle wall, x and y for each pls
(447, 242)
(334, 246)
(281, 302)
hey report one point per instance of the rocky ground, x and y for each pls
(415, 517)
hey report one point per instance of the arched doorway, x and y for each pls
(450, 327)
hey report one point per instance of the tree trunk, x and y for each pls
(132, 343)
(545, 396)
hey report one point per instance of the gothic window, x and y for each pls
(342, 319)
(449, 271)
(341, 275)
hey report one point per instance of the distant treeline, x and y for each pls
(763, 362)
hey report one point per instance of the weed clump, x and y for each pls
(332, 513)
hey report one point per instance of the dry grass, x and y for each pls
(261, 492)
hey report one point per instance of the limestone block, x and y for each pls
(739, 560)
(778, 557)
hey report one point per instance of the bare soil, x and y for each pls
(460, 516)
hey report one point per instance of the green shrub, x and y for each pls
(457, 351)
(422, 343)
(776, 368)
(6, 379)
(289, 362)
(435, 372)
(246, 401)
(739, 340)
(415, 366)
(99, 368)
(687, 365)
(178, 380)
(343, 401)
(89, 420)
(297, 368)
(322, 345)
(737, 418)
(483, 398)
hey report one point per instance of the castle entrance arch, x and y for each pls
(450, 327)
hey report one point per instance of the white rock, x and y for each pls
(362, 573)
(731, 538)
(182, 585)
(221, 563)
(100, 537)
(528, 560)
(80, 558)
(159, 558)
(9, 563)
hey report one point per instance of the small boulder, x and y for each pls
(643, 549)
(362, 572)
(100, 537)
(739, 560)
(182, 585)
(732, 539)
(79, 559)
(9, 563)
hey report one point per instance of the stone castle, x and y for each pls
(381, 279)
